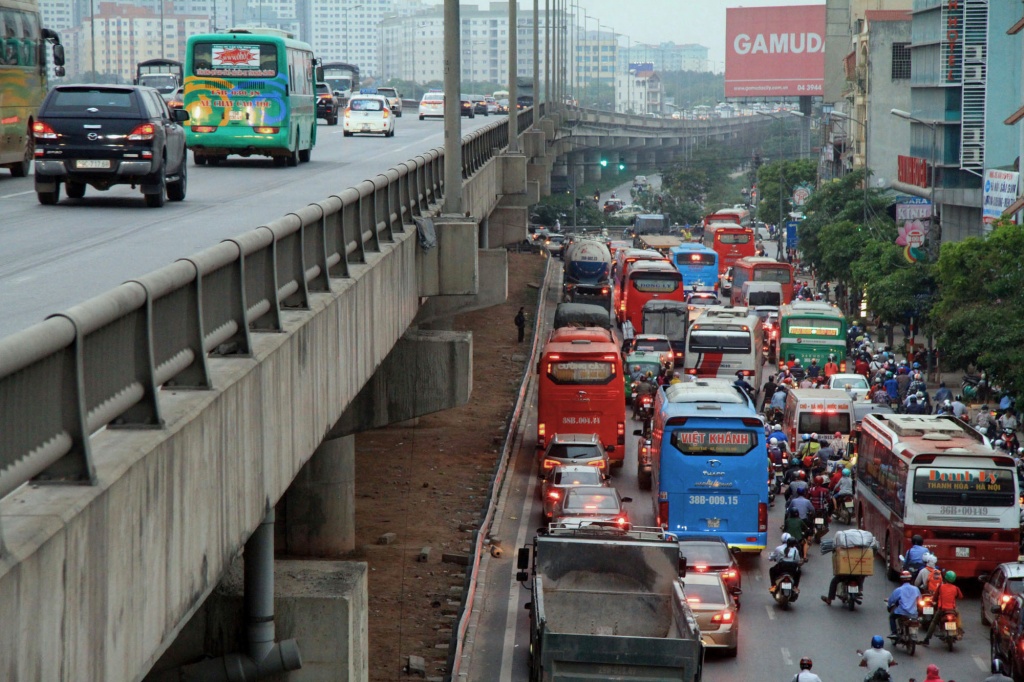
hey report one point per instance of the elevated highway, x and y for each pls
(149, 432)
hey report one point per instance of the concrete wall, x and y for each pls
(886, 139)
(837, 46)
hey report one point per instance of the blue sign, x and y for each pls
(791, 238)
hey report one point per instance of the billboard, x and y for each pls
(1000, 193)
(775, 51)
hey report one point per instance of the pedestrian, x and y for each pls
(628, 332)
(520, 321)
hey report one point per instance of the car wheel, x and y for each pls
(177, 188)
(305, 154)
(74, 190)
(348, 133)
(421, 117)
(398, 114)
(49, 198)
(333, 121)
(198, 159)
(20, 170)
(984, 617)
(157, 199)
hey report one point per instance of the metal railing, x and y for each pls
(103, 363)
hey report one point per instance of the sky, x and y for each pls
(656, 21)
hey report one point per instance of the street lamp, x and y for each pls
(867, 166)
(934, 125)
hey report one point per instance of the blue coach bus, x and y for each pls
(709, 463)
(698, 265)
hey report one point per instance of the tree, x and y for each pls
(790, 174)
(692, 88)
(980, 308)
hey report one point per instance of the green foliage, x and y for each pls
(790, 174)
(691, 189)
(980, 309)
(693, 88)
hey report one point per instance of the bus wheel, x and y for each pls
(292, 159)
(20, 169)
(304, 155)
(198, 159)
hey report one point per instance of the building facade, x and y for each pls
(595, 55)
(639, 92)
(665, 57)
(963, 83)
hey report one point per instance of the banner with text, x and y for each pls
(774, 51)
(1000, 193)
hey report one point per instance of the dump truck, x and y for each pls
(608, 603)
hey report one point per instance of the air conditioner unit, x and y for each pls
(970, 156)
(974, 72)
(974, 53)
(972, 136)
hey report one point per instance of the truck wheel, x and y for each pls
(643, 480)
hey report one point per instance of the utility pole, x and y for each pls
(536, 58)
(452, 110)
(513, 78)
(547, 54)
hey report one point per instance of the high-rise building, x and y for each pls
(412, 47)
(665, 57)
(349, 30)
(595, 57)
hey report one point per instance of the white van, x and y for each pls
(818, 410)
(756, 294)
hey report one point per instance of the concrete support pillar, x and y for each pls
(320, 506)
(592, 166)
(630, 159)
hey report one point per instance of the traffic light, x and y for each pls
(604, 163)
(622, 166)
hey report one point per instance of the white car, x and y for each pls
(629, 211)
(394, 99)
(492, 105)
(858, 384)
(432, 104)
(369, 114)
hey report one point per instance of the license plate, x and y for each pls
(853, 589)
(928, 611)
(950, 626)
(787, 586)
(366, 129)
(714, 523)
(236, 115)
(92, 163)
(963, 552)
(819, 522)
(913, 631)
(848, 505)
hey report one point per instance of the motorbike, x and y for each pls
(948, 631)
(783, 590)
(820, 525)
(844, 510)
(773, 415)
(926, 607)
(778, 473)
(645, 409)
(850, 591)
(907, 630)
(972, 385)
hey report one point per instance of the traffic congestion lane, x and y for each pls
(771, 641)
(52, 257)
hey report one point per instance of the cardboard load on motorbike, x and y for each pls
(854, 553)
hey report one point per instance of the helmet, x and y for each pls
(946, 403)
(796, 361)
(814, 436)
(773, 441)
(805, 437)
(1007, 430)
(997, 666)
(839, 434)
(794, 513)
(888, 375)
(846, 473)
(916, 365)
(636, 368)
(832, 358)
(785, 537)
(877, 642)
(950, 577)
(802, 475)
(814, 361)
(650, 374)
(930, 559)
(920, 394)
(794, 462)
(917, 540)
(998, 442)
(776, 427)
(806, 663)
(905, 576)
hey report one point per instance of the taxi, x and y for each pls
(368, 113)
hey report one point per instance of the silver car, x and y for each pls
(583, 449)
(715, 610)
(558, 482)
(587, 504)
(1000, 586)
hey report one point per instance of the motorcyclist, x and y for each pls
(945, 602)
(902, 602)
(813, 371)
(997, 672)
(637, 374)
(805, 674)
(958, 407)
(914, 407)
(793, 470)
(1010, 438)
(831, 367)
(778, 401)
(794, 527)
(879, 396)
(820, 496)
(788, 560)
(804, 508)
(645, 387)
(741, 382)
(928, 578)
(809, 446)
(984, 421)
(942, 394)
(914, 560)
(798, 487)
(877, 660)
(777, 432)
(775, 453)
(844, 487)
(796, 370)
(892, 388)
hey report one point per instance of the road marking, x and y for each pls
(771, 612)
(983, 666)
(17, 194)
(787, 658)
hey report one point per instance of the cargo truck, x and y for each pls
(588, 266)
(609, 604)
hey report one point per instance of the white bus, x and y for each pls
(724, 341)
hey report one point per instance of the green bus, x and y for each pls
(812, 330)
(249, 92)
(22, 79)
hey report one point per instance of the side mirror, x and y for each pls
(523, 558)
(180, 115)
(58, 56)
(626, 500)
(983, 578)
(736, 591)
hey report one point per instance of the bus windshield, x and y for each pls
(964, 486)
(581, 372)
(714, 442)
(655, 283)
(719, 341)
(234, 60)
(723, 237)
(770, 274)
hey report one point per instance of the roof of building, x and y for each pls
(887, 15)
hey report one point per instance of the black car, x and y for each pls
(106, 135)
(466, 106)
(479, 104)
(524, 101)
(326, 104)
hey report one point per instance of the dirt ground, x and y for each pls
(438, 471)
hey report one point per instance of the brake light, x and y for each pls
(692, 600)
(143, 132)
(762, 517)
(621, 429)
(622, 306)
(204, 129)
(622, 520)
(662, 519)
(554, 495)
(842, 366)
(348, 112)
(729, 575)
(724, 618)
(598, 463)
(701, 568)
(386, 114)
(550, 463)
(267, 130)
(43, 131)
(1005, 599)
(692, 371)
(604, 290)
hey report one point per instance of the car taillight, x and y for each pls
(554, 495)
(622, 433)
(204, 129)
(550, 463)
(729, 575)
(386, 114)
(143, 132)
(663, 513)
(679, 353)
(348, 112)
(723, 618)
(622, 520)
(266, 130)
(43, 131)
(1005, 599)
(692, 371)
(762, 517)
(622, 306)
(541, 433)
(599, 463)
(842, 366)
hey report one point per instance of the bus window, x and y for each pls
(581, 372)
(696, 259)
(772, 274)
(814, 327)
(957, 486)
(824, 422)
(715, 341)
(733, 238)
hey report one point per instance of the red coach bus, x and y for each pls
(581, 388)
(624, 259)
(740, 216)
(730, 241)
(649, 280)
(761, 269)
(935, 476)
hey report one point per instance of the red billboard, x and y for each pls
(775, 51)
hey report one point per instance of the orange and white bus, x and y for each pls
(649, 280)
(761, 269)
(937, 477)
(725, 341)
(580, 388)
(624, 259)
(730, 241)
